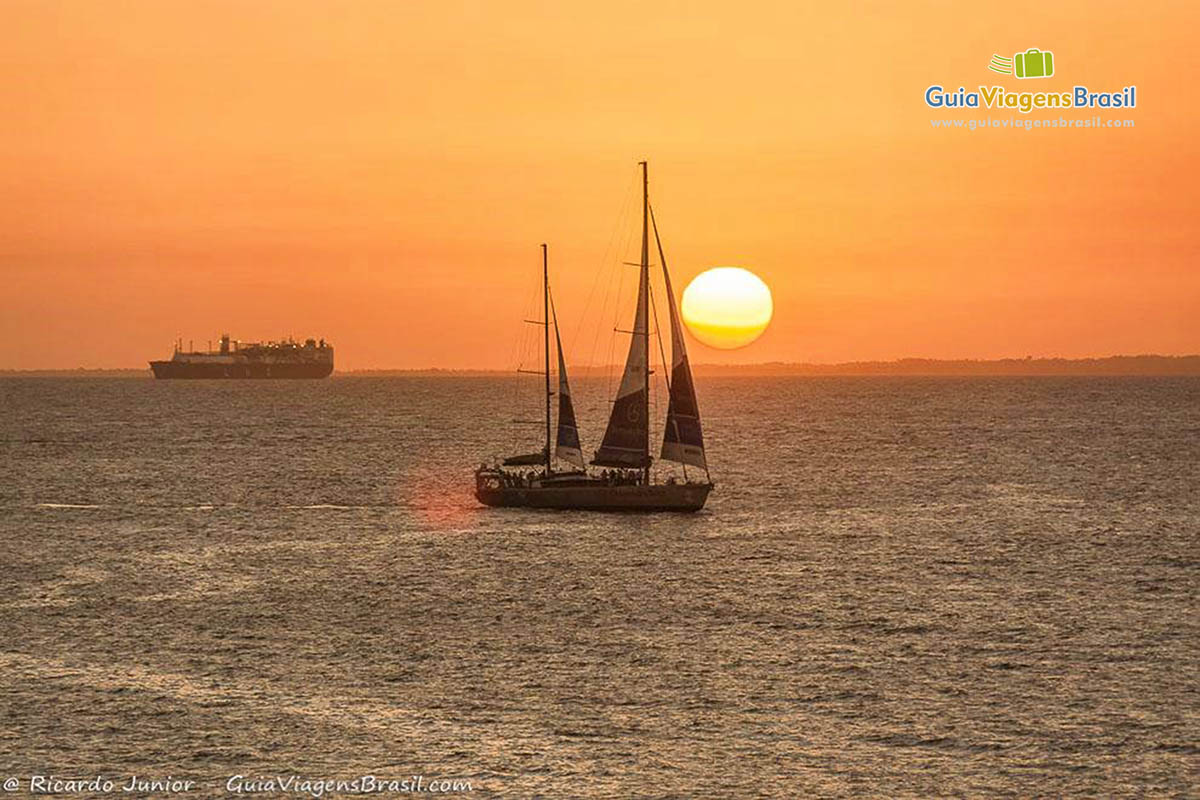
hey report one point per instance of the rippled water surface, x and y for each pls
(899, 587)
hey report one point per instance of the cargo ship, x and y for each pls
(234, 359)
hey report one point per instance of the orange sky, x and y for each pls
(381, 173)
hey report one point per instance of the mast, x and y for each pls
(644, 298)
(546, 352)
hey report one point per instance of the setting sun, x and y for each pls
(727, 307)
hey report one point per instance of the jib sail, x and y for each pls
(683, 440)
(566, 443)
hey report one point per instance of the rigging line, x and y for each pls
(522, 338)
(524, 343)
(600, 276)
(622, 234)
(562, 360)
(515, 361)
(514, 350)
(608, 360)
(610, 365)
(612, 238)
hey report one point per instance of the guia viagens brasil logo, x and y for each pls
(1032, 63)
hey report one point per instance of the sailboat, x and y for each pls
(625, 481)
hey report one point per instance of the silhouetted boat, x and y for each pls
(287, 359)
(626, 482)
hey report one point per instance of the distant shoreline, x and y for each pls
(1145, 365)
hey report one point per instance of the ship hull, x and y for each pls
(238, 370)
(682, 497)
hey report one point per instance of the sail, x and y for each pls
(683, 441)
(624, 443)
(566, 445)
(627, 439)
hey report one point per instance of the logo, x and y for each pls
(1033, 63)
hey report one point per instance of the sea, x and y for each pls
(900, 587)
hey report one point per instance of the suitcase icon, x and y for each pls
(1034, 63)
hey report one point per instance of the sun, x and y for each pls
(727, 307)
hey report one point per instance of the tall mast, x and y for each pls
(644, 295)
(626, 443)
(546, 331)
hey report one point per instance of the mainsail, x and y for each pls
(627, 439)
(566, 445)
(683, 441)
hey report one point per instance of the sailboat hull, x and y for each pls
(683, 497)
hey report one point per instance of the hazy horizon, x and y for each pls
(1132, 364)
